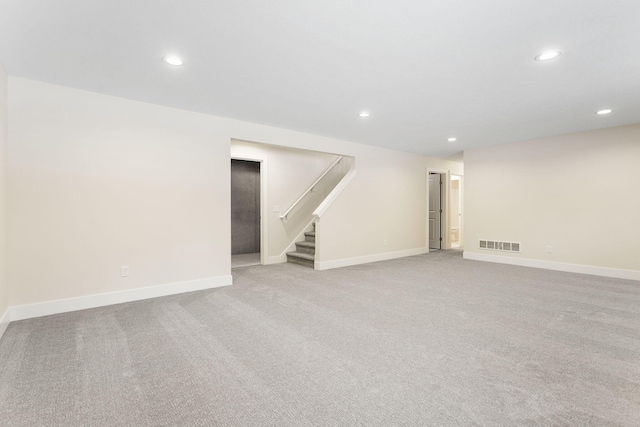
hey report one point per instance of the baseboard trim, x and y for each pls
(557, 266)
(275, 259)
(346, 262)
(29, 311)
(4, 322)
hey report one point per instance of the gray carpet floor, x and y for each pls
(424, 340)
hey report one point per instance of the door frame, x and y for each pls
(264, 211)
(444, 205)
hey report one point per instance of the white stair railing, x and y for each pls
(285, 216)
(333, 195)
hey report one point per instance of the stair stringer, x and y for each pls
(298, 238)
(305, 253)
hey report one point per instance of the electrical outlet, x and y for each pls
(549, 249)
(384, 242)
(124, 271)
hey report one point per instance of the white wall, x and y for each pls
(577, 193)
(97, 182)
(4, 291)
(387, 200)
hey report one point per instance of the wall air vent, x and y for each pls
(499, 246)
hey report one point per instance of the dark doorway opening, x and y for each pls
(245, 212)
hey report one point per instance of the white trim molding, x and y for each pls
(276, 259)
(346, 262)
(47, 308)
(333, 195)
(557, 266)
(4, 322)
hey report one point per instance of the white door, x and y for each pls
(435, 211)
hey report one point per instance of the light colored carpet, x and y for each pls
(424, 340)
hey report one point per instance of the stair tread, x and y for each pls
(306, 244)
(310, 233)
(302, 255)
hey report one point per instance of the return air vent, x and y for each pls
(499, 246)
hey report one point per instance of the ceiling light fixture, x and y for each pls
(173, 60)
(364, 114)
(546, 56)
(451, 140)
(601, 112)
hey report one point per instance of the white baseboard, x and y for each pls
(4, 322)
(29, 311)
(327, 265)
(275, 259)
(557, 266)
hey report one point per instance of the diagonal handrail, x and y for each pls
(309, 190)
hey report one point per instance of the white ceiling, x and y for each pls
(426, 70)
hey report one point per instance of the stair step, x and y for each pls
(306, 244)
(301, 258)
(306, 247)
(302, 255)
(310, 236)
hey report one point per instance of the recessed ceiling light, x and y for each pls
(364, 114)
(451, 140)
(601, 112)
(172, 60)
(550, 54)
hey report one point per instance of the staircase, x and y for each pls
(305, 253)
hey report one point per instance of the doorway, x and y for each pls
(435, 210)
(245, 213)
(455, 200)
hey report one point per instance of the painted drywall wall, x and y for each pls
(385, 203)
(96, 182)
(4, 291)
(290, 172)
(577, 193)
